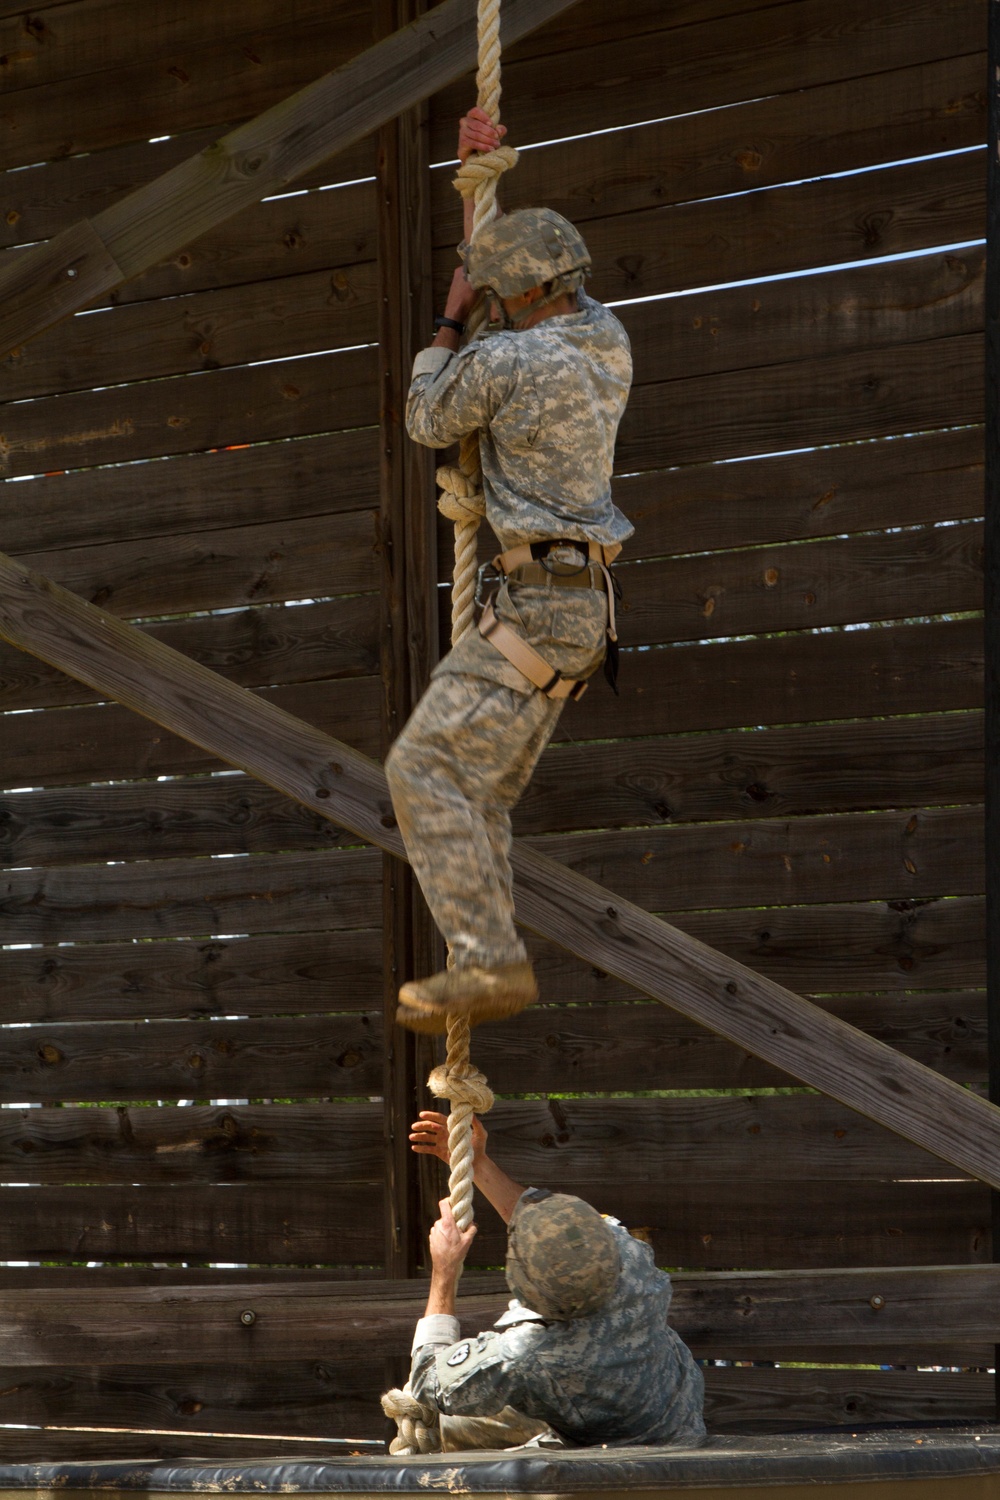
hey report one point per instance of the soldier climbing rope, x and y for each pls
(462, 502)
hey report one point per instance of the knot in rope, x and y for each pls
(482, 170)
(463, 500)
(463, 1084)
(417, 1423)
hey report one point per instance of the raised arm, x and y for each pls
(429, 1137)
(476, 132)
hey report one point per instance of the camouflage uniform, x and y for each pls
(619, 1376)
(547, 402)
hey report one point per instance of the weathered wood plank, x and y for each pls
(252, 161)
(221, 569)
(258, 485)
(590, 23)
(791, 679)
(921, 1306)
(593, 1048)
(224, 78)
(90, 38)
(863, 122)
(40, 201)
(775, 50)
(289, 316)
(293, 1398)
(909, 762)
(893, 856)
(895, 945)
(638, 1142)
(107, 744)
(838, 399)
(933, 1304)
(232, 1143)
(297, 973)
(860, 308)
(191, 897)
(166, 820)
(632, 1142)
(202, 1059)
(912, 762)
(284, 1224)
(892, 948)
(109, 1444)
(304, 231)
(932, 476)
(714, 1227)
(257, 646)
(214, 409)
(662, 961)
(288, 974)
(755, 1400)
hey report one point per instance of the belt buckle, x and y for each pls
(488, 576)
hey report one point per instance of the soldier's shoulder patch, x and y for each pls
(459, 1355)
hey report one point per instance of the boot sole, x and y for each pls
(433, 1021)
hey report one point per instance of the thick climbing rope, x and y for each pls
(458, 1080)
(462, 501)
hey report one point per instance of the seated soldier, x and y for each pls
(584, 1354)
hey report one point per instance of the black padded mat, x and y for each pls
(802, 1458)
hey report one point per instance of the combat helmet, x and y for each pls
(527, 248)
(562, 1259)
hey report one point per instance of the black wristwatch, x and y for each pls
(449, 323)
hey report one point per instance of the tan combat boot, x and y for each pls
(478, 994)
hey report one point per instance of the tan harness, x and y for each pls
(525, 565)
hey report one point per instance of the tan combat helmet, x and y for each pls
(562, 1259)
(527, 248)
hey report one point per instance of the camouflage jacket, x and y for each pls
(620, 1376)
(547, 402)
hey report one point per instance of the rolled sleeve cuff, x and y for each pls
(436, 1328)
(431, 362)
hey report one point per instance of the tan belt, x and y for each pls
(520, 566)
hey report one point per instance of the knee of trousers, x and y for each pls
(412, 770)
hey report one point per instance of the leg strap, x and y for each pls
(517, 651)
(527, 660)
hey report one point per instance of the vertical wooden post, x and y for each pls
(992, 595)
(409, 646)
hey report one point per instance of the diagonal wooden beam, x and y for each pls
(41, 286)
(312, 768)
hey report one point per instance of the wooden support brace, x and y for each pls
(49, 282)
(121, 662)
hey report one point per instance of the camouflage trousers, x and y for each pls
(467, 754)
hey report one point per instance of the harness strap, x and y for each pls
(527, 660)
(597, 552)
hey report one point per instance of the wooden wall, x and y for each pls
(792, 773)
